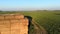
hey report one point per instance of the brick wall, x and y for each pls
(13, 24)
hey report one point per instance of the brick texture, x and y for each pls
(13, 24)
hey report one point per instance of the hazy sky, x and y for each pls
(29, 4)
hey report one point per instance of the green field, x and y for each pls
(50, 20)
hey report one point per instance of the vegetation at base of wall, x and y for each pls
(50, 20)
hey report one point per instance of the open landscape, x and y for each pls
(30, 16)
(49, 20)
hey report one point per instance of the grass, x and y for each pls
(50, 20)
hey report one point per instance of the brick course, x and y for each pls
(13, 24)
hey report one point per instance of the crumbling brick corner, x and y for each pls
(13, 24)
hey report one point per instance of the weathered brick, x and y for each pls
(7, 23)
(24, 21)
(14, 21)
(5, 32)
(9, 17)
(19, 16)
(14, 24)
(1, 17)
(16, 31)
(4, 27)
(24, 26)
(1, 22)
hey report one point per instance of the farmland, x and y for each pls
(50, 20)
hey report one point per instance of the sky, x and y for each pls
(29, 4)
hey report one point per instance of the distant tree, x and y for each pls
(0, 10)
(44, 10)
